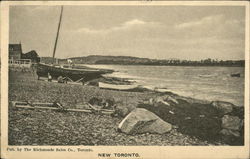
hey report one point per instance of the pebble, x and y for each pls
(46, 127)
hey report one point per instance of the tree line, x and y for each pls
(206, 62)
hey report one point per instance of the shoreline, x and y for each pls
(211, 95)
(158, 65)
(26, 88)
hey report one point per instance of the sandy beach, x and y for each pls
(49, 127)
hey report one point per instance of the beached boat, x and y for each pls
(206, 76)
(71, 72)
(116, 87)
(74, 74)
(235, 75)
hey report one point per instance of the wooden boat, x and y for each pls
(206, 76)
(71, 72)
(235, 75)
(116, 87)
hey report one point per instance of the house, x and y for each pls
(32, 55)
(15, 51)
(15, 57)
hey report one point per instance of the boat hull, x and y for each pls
(235, 75)
(74, 74)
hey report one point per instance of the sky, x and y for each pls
(156, 32)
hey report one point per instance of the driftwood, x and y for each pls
(55, 81)
(79, 80)
(50, 106)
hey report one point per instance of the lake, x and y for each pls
(209, 83)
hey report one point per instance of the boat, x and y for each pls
(74, 73)
(206, 76)
(235, 75)
(116, 87)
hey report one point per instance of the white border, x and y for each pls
(144, 151)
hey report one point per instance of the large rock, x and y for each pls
(143, 121)
(224, 107)
(192, 100)
(228, 132)
(231, 122)
(122, 111)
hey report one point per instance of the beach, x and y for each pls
(50, 127)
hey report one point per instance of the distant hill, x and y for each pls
(129, 60)
(48, 60)
(96, 59)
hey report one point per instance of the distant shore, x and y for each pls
(46, 127)
(129, 60)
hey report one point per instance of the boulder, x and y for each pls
(228, 132)
(121, 111)
(141, 121)
(224, 107)
(60, 79)
(231, 122)
(192, 100)
(163, 100)
(173, 100)
(160, 100)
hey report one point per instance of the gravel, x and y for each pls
(50, 127)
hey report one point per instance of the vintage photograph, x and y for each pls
(126, 75)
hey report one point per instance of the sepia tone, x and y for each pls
(127, 75)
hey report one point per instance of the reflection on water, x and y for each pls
(210, 83)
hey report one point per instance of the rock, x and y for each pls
(163, 100)
(102, 102)
(121, 111)
(187, 118)
(224, 107)
(143, 121)
(171, 112)
(60, 79)
(238, 111)
(175, 126)
(151, 101)
(192, 100)
(231, 122)
(160, 100)
(169, 98)
(16, 129)
(96, 101)
(228, 132)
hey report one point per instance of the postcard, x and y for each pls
(124, 79)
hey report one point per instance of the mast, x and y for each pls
(57, 34)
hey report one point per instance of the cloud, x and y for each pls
(124, 26)
(212, 26)
(215, 36)
(209, 20)
(40, 9)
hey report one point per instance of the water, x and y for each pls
(209, 83)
